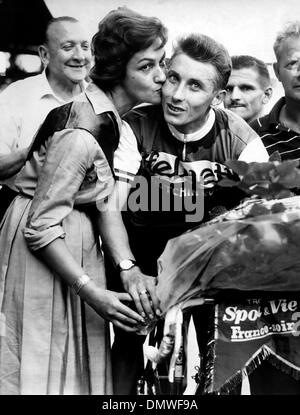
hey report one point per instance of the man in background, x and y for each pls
(66, 56)
(280, 129)
(249, 87)
(280, 132)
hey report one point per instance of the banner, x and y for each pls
(247, 332)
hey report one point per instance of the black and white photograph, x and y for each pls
(150, 201)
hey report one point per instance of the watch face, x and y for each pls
(126, 264)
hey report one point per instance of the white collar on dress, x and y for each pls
(101, 102)
(196, 135)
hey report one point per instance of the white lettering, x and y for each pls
(236, 332)
(230, 311)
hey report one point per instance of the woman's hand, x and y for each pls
(109, 305)
(114, 237)
(142, 289)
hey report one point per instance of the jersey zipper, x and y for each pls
(184, 148)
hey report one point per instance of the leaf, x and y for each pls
(259, 191)
(245, 187)
(239, 167)
(284, 194)
(286, 167)
(228, 183)
(258, 173)
(278, 208)
(291, 181)
(253, 178)
(276, 187)
(274, 177)
(258, 210)
(269, 180)
(275, 157)
(261, 169)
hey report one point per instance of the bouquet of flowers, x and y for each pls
(253, 247)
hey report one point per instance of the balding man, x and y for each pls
(66, 56)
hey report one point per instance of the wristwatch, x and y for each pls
(126, 265)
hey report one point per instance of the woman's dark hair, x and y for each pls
(121, 34)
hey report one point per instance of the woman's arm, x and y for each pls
(106, 303)
(69, 155)
(115, 239)
(127, 159)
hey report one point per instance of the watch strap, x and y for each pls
(120, 268)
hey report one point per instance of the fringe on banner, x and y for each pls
(283, 365)
(253, 363)
(263, 354)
